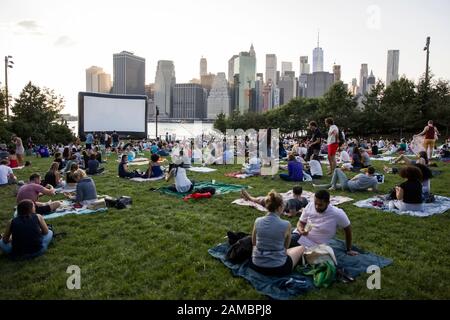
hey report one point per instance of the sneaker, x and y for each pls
(332, 189)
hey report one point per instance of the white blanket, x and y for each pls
(147, 180)
(335, 200)
(202, 169)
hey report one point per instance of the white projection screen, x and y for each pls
(126, 114)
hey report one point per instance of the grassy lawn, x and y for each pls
(158, 248)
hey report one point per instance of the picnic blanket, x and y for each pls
(147, 180)
(382, 158)
(221, 188)
(238, 175)
(440, 205)
(201, 169)
(67, 208)
(18, 168)
(296, 284)
(66, 189)
(334, 200)
(137, 162)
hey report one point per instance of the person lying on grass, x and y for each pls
(86, 192)
(293, 207)
(271, 237)
(319, 222)
(34, 189)
(361, 182)
(27, 235)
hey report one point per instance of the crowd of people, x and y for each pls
(277, 246)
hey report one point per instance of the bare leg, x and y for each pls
(246, 196)
(295, 254)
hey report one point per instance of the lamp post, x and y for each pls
(157, 114)
(427, 49)
(8, 64)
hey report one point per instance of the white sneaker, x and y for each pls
(332, 189)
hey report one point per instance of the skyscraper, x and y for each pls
(258, 98)
(288, 87)
(203, 67)
(189, 101)
(318, 58)
(219, 99)
(371, 82)
(305, 67)
(97, 80)
(318, 84)
(207, 81)
(129, 74)
(271, 68)
(164, 83)
(245, 66)
(231, 69)
(392, 66)
(285, 66)
(354, 86)
(337, 73)
(364, 74)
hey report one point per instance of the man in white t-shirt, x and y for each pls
(6, 174)
(332, 143)
(319, 223)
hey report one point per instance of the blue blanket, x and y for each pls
(296, 284)
(440, 205)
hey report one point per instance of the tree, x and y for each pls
(36, 115)
(371, 118)
(221, 122)
(5, 135)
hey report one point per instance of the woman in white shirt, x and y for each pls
(182, 182)
(345, 160)
(315, 168)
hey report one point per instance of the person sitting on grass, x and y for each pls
(13, 162)
(73, 159)
(253, 167)
(292, 208)
(27, 235)
(361, 182)
(6, 174)
(295, 170)
(94, 166)
(70, 180)
(315, 168)
(409, 193)
(86, 192)
(123, 169)
(154, 168)
(182, 182)
(53, 177)
(60, 160)
(32, 191)
(319, 223)
(444, 153)
(271, 237)
(365, 158)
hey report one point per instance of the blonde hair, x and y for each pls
(79, 174)
(273, 201)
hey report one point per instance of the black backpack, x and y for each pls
(341, 138)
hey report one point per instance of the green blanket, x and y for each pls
(221, 188)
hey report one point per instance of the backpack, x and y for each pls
(241, 247)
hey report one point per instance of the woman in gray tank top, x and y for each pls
(271, 238)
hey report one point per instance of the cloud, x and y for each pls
(28, 27)
(64, 42)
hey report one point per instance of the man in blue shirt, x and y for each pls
(89, 141)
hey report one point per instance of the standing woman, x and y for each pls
(271, 238)
(20, 150)
(431, 133)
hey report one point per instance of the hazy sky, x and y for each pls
(54, 41)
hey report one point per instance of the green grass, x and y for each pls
(158, 248)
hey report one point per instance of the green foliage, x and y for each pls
(36, 115)
(402, 107)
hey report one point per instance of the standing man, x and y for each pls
(89, 141)
(332, 143)
(431, 133)
(315, 141)
(115, 139)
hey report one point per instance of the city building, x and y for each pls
(354, 89)
(129, 73)
(337, 73)
(207, 81)
(393, 62)
(371, 82)
(231, 69)
(245, 66)
(203, 67)
(271, 68)
(305, 67)
(288, 87)
(318, 58)
(97, 80)
(364, 74)
(219, 99)
(285, 66)
(318, 83)
(189, 101)
(164, 82)
(257, 97)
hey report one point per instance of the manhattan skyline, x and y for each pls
(54, 43)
